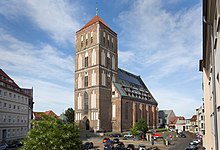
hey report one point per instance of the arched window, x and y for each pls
(86, 106)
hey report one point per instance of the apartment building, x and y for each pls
(16, 104)
(210, 66)
(201, 120)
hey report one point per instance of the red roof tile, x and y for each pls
(37, 115)
(93, 21)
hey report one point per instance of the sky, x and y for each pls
(159, 40)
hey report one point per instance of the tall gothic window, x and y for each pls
(81, 41)
(92, 37)
(108, 60)
(108, 40)
(86, 106)
(104, 37)
(86, 81)
(86, 61)
(87, 39)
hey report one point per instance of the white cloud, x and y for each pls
(48, 70)
(164, 49)
(59, 18)
(160, 38)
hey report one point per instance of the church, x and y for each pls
(106, 97)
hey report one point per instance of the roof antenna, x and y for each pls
(97, 11)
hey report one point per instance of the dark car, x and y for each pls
(120, 146)
(3, 146)
(130, 147)
(182, 135)
(116, 135)
(108, 145)
(192, 147)
(115, 141)
(88, 145)
(15, 144)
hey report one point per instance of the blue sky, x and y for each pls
(158, 40)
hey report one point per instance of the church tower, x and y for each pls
(96, 66)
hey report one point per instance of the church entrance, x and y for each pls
(86, 124)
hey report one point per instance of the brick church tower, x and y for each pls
(96, 66)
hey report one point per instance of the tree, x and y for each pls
(69, 113)
(52, 133)
(141, 126)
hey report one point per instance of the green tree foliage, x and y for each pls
(141, 125)
(134, 130)
(69, 113)
(51, 133)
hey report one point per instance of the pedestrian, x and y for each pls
(171, 137)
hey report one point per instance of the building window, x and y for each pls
(108, 40)
(108, 60)
(86, 80)
(5, 104)
(87, 39)
(92, 37)
(81, 41)
(112, 43)
(104, 37)
(9, 106)
(86, 107)
(10, 95)
(0, 92)
(86, 59)
(201, 117)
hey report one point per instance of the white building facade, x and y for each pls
(14, 110)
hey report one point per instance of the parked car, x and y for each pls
(120, 146)
(116, 135)
(105, 140)
(182, 135)
(156, 136)
(130, 147)
(88, 145)
(3, 146)
(192, 147)
(109, 144)
(115, 141)
(128, 135)
(15, 144)
(142, 147)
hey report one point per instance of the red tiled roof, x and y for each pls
(194, 118)
(37, 115)
(12, 83)
(93, 21)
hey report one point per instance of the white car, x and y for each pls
(128, 135)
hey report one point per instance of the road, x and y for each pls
(181, 143)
